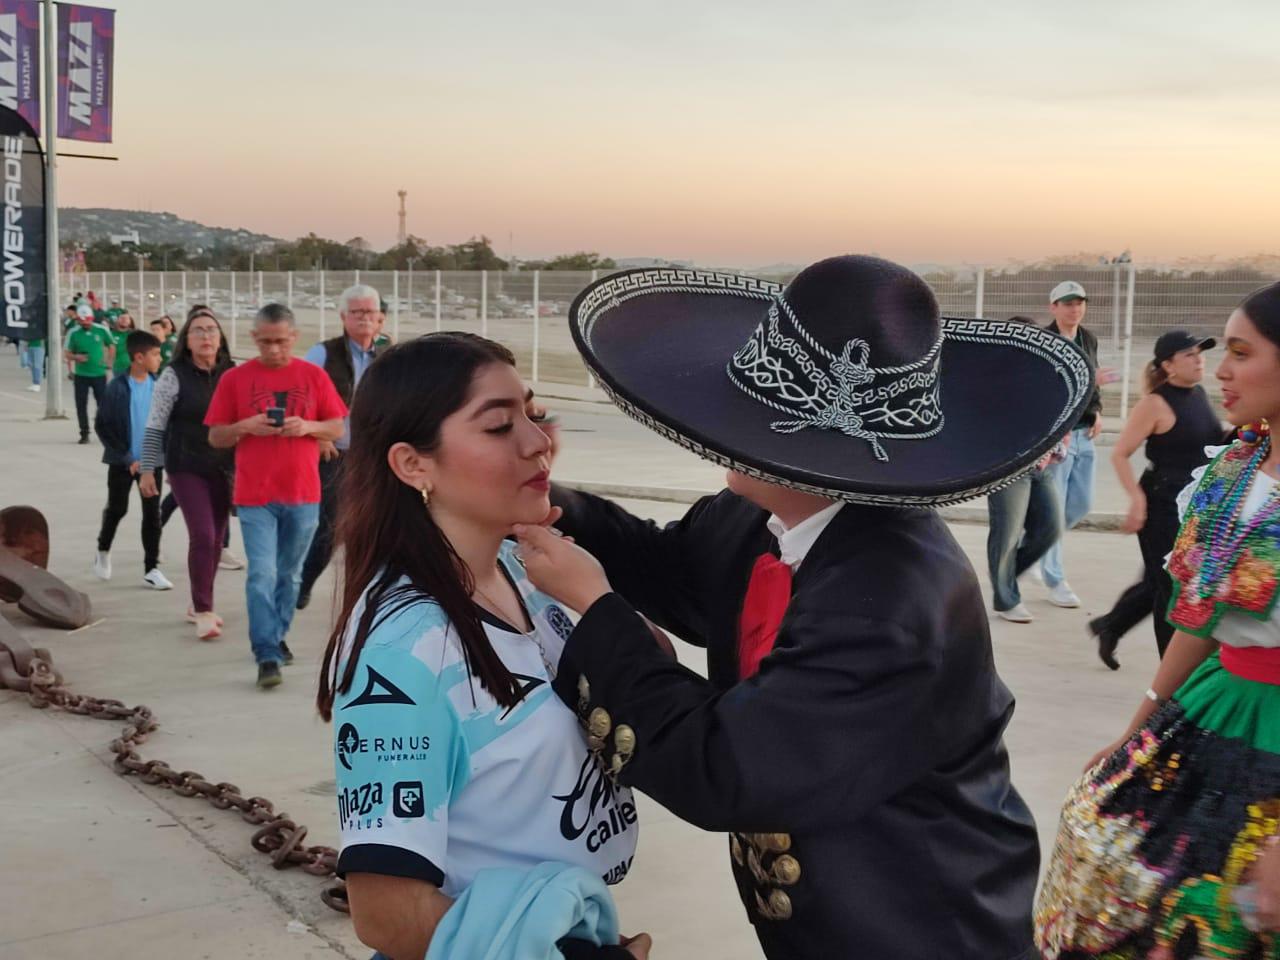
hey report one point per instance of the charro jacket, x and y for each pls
(861, 774)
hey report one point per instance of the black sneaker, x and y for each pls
(286, 655)
(269, 675)
(1107, 643)
(304, 597)
(84, 438)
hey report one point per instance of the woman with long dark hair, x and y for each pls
(199, 474)
(1176, 422)
(452, 752)
(1167, 846)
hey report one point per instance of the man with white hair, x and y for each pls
(344, 358)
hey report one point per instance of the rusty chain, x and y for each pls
(30, 670)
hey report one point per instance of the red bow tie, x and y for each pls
(768, 594)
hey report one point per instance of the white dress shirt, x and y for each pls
(794, 544)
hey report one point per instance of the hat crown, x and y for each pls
(865, 298)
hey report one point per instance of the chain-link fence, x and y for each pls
(528, 311)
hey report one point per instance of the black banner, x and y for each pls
(23, 293)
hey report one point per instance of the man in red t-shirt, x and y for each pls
(274, 410)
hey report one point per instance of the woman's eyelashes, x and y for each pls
(504, 428)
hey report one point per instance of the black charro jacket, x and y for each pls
(861, 774)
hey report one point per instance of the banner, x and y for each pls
(86, 54)
(20, 58)
(23, 294)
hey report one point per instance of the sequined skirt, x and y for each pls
(1155, 839)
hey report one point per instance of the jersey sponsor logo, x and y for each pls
(385, 749)
(594, 790)
(359, 801)
(378, 689)
(407, 800)
(617, 873)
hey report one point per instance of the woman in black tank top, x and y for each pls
(1177, 423)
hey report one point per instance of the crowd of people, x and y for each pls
(499, 672)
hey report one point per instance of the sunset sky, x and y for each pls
(731, 133)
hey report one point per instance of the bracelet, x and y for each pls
(1155, 698)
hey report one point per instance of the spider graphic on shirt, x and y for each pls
(295, 400)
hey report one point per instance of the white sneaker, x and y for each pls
(1016, 614)
(157, 580)
(229, 561)
(34, 388)
(1063, 596)
(102, 565)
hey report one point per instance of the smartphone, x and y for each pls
(276, 416)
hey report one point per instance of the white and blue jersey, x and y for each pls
(437, 781)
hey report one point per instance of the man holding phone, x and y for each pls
(275, 411)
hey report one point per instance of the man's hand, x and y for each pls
(559, 567)
(639, 945)
(259, 425)
(147, 485)
(297, 427)
(328, 451)
(1096, 428)
(134, 468)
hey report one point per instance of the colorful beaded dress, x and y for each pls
(1155, 840)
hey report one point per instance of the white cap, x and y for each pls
(1066, 289)
(84, 310)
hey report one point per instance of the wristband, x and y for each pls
(1155, 698)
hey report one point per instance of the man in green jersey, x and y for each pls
(91, 350)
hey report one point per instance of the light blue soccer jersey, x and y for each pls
(437, 781)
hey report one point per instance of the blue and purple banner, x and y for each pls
(20, 58)
(86, 54)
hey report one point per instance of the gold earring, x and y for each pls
(426, 497)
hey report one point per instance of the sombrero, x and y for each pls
(846, 383)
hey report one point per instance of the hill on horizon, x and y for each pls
(86, 225)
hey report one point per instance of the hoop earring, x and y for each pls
(426, 497)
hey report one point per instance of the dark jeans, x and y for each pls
(82, 386)
(169, 506)
(322, 546)
(1151, 594)
(119, 483)
(1026, 520)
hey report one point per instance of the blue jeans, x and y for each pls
(33, 357)
(1073, 478)
(1026, 520)
(276, 539)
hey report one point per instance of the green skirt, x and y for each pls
(1155, 839)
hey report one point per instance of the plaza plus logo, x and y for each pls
(407, 801)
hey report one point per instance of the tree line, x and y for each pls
(313, 252)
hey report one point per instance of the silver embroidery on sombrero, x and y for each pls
(798, 376)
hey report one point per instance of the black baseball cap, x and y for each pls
(1175, 341)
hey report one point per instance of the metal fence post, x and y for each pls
(289, 295)
(261, 300)
(1128, 342)
(1115, 307)
(142, 295)
(122, 302)
(235, 311)
(395, 305)
(162, 310)
(980, 293)
(321, 304)
(484, 303)
(208, 289)
(437, 301)
(537, 325)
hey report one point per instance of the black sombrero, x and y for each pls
(847, 383)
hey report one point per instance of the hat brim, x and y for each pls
(659, 340)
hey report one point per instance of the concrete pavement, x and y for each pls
(103, 866)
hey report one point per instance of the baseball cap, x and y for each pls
(84, 310)
(1067, 290)
(1175, 341)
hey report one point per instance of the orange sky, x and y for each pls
(733, 133)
